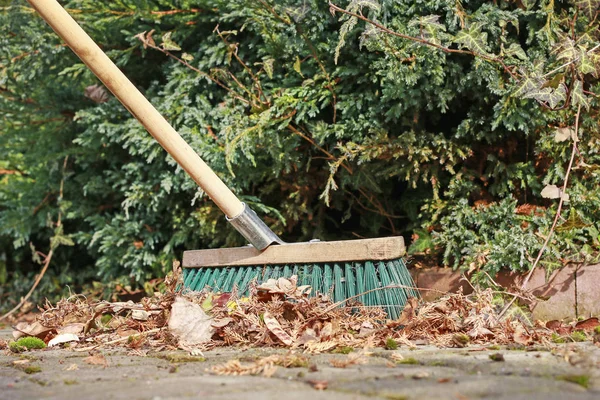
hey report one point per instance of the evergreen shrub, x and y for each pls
(444, 121)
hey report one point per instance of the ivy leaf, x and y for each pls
(515, 50)
(187, 57)
(554, 82)
(574, 222)
(566, 49)
(588, 7)
(548, 95)
(298, 66)
(554, 192)
(528, 84)
(354, 7)
(60, 238)
(473, 39)
(595, 59)
(579, 98)
(586, 64)
(429, 27)
(168, 43)
(268, 66)
(562, 134)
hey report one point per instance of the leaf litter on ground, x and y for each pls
(279, 313)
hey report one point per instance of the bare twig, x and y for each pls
(123, 339)
(47, 258)
(556, 215)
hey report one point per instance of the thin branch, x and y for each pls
(35, 284)
(322, 150)
(246, 68)
(556, 215)
(423, 41)
(570, 62)
(188, 65)
(48, 258)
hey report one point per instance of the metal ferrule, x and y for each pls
(254, 229)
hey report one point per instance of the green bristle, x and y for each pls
(374, 297)
(227, 283)
(389, 294)
(395, 274)
(194, 285)
(305, 276)
(339, 293)
(204, 279)
(238, 277)
(276, 273)
(327, 279)
(287, 272)
(188, 276)
(317, 279)
(213, 280)
(266, 274)
(339, 282)
(350, 280)
(360, 281)
(251, 273)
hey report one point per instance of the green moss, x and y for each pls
(497, 357)
(579, 336)
(343, 350)
(70, 382)
(408, 360)
(461, 340)
(105, 319)
(581, 380)
(556, 338)
(597, 329)
(32, 369)
(494, 347)
(26, 343)
(438, 364)
(391, 344)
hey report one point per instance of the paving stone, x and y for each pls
(427, 373)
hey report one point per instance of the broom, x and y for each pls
(344, 269)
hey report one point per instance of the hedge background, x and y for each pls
(328, 126)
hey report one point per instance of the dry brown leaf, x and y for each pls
(72, 367)
(36, 329)
(408, 314)
(276, 329)
(96, 359)
(318, 384)
(189, 323)
(265, 366)
(588, 324)
(521, 336)
(352, 359)
(319, 347)
(96, 93)
(74, 328)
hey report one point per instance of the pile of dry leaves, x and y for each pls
(277, 313)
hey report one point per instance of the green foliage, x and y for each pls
(444, 125)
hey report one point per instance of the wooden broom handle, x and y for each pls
(89, 52)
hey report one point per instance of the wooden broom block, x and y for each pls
(379, 249)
